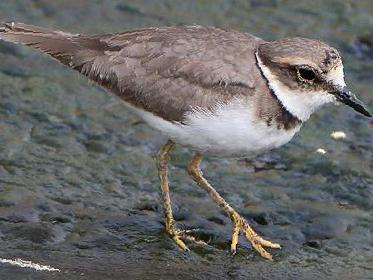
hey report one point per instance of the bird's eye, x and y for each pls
(306, 74)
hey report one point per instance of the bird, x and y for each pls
(222, 93)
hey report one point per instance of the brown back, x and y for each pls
(166, 71)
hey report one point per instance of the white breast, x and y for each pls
(230, 131)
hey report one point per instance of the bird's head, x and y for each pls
(304, 74)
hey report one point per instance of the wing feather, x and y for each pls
(167, 71)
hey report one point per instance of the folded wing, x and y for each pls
(167, 71)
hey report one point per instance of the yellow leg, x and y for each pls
(239, 223)
(176, 234)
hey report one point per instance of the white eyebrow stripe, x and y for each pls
(336, 76)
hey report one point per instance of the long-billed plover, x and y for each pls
(221, 93)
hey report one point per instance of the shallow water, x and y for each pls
(78, 186)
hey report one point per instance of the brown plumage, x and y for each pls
(220, 92)
(167, 71)
(282, 56)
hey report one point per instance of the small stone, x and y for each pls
(321, 151)
(313, 243)
(338, 135)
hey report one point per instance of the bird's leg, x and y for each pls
(239, 223)
(176, 234)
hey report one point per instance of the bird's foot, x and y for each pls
(180, 236)
(240, 224)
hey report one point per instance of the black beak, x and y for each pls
(345, 96)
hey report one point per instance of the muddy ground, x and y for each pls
(78, 185)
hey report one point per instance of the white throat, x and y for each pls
(298, 104)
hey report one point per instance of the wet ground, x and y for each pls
(78, 186)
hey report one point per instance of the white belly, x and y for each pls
(230, 131)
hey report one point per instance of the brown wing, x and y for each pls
(164, 70)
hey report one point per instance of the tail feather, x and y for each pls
(58, 44)
(8, 27)
(86, 54)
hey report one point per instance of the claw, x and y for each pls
(256, 241)
(193, 239)
(178, 235)
(190, 230)
(180, 243)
